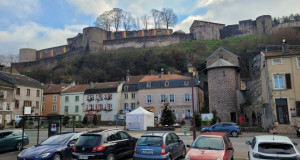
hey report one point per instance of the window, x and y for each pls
(0, 119)
(278, 81)
(38, 93)
(124, 135)
(7, 118)
(54, 109)
(67, 99)
(125, 88)
(169, 139)
(76, 109)
(7, 106)
(167, 83)
(132, 95)
(1, 108)
(66, 109)
(162, 98)
(148, 84)
(43, 108)
(133, 106)
(54, 98)
(28, 92)
(298, 62)
(18, 91)
(175, 137)
(297, 108)
(126, 96)
(17, 104)
(276, 61)
(172, 98)
(77, 98)
(27, 103)
(149, 98)
(186, 83)
(44, 98)
(186, 97)
(125, 106)
(37, 104)
(288, 81)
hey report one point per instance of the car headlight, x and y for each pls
(44, 155)
(219, 158)
(187, 158)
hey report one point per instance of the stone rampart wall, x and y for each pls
(46, 53)
(142, 33)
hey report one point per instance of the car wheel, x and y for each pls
(183, 153)
(56, 156)
(19, 146)
(234, 134)
(169, 158)
(110, 157)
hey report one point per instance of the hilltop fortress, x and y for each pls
(94, 39)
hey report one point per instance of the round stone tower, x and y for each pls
(93, 38)
(264, 24)
(27, 55)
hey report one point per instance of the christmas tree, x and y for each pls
(167, 117)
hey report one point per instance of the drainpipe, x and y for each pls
(269, 89)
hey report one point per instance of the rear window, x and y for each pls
(88, 140)
(276, 148)
(57, 139)
(208, 143)
(150, 141)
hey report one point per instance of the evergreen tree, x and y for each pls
(95, 119)
(85, 120)
(167, 117)
(66, 120)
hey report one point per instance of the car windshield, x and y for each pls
(150, 141)
(208, 143)
(88, 140)
(276, 148)
(57, 139)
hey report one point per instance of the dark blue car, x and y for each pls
(57, 147)
(159, 145)
(225, 127)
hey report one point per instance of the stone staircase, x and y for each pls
(283, 129)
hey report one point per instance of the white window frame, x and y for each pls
(187, 97)
(278, 59)
(125, 106)
(284, 83)
(7, 107)
(54, 98)
(149, 98)
(170, 99)
(132, 106)
(298, 62)
(163, 98)
(54, 106)
(126, 96)
(132, 95)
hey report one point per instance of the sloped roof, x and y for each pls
(76, 88)
(134, 79)
(53, 88)
(140, 110)
(19, 79)
(221, 63)
(220, 48)
(105, 85)
(279, 53)
(164, 77)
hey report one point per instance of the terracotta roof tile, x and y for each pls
(76, 88)
(163, 78)
(105, 85)
(23, 80)
(134, 79)
(54, 88)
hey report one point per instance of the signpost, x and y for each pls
(207, 116)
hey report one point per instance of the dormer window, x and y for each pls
(186, 83)
(148, 84)
(167, 83)
(125, 88)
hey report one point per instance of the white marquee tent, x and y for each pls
(139, 119)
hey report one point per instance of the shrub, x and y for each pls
(215, 118)
(85, 120)
(167, 117)
(95, 119)
(66, 120)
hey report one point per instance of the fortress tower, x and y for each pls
(27, 55)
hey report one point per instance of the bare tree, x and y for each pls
(168, 17)
(156, 14)
(8, 60)
(145, 21)
(116, 16)
(128, 20)
(104, 21)
(137, 23)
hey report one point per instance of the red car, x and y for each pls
(210, 146)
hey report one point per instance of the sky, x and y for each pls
(43, 24)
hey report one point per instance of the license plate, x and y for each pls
(147, 151)
(83, 157)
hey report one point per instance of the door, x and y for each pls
(178, 145)
(170, 145)
(128, 146)
(217, 127)
(282, 111)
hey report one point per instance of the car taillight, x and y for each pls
(74, 148)
(255, 155)
(163, 151)
(134, 149)
(98, 148)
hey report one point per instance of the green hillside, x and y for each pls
(113, 65)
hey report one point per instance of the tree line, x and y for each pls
(118, 19)
(286, 19)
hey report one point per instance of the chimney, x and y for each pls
(73, 83)
(162, 73)
(284, 46)
(127, 76)
(91, 84)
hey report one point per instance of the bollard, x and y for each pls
(184, 130)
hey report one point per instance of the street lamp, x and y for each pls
(191, 69)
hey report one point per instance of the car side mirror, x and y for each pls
(229, 148)
(296, 144)
(248, 142)
(188, 146)
(71, 143)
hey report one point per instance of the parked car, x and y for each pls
(159, 145)
(272, 147)
(12, 139)
(225, 127)
(298, 132)
(211, 146)
(108, 144)
(56, 147)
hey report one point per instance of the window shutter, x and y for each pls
(288, 81)
(191, 98)
(159, 99)
(152, 99)
(175, 97)
(145, 99)
(298, 108)
(182, 98)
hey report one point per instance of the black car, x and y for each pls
(108, 144)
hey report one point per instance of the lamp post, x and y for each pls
(191, 69)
